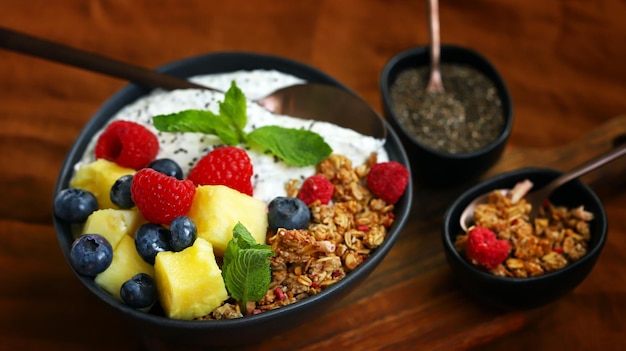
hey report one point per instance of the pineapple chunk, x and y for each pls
(126, 263)
(189, 282)
(217, 208)
(113, 224)
(98, 177)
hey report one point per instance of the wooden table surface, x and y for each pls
(563, 61)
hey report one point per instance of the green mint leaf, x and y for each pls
(297, 147)
(249, 276)
(234, 107)
(199, 121)
(227, 132)
(195, 121)
(246, 268)
(242, 239)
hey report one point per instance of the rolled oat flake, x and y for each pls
(473, 122)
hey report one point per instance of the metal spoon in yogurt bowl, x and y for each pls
(309, 100)
(537, 197)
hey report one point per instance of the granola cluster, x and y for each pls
(339, 238)
(558, 236)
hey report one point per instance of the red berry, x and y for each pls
(128, 144)
(484, 249)
(316, 187)
(227, 165)
(388, 180)
(159, 197)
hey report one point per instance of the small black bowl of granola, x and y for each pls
(506, 262)
(455, 136)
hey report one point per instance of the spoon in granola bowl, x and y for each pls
(315, 101)
(537, 197)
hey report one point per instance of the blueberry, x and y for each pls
(91, 254)
(167, 166)
(288, 213)
(139, 291)
(150, 239)
(74, 205)
(120, 192)
(184, 233)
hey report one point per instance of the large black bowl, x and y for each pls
(435, 167)
(525, 293)
(163, 333)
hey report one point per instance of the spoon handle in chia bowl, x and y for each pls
(435, 82)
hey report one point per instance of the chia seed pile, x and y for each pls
(448, 129)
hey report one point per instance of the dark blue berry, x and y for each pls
(150, 239)
(289, 213)
(91, 254)
(120, 192)
(184, 233)
(139, 291)
(74, 205)
(167, 166)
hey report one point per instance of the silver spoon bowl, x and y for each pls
(537, 197)
(310, 101)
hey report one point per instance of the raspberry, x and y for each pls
(316, 187)
(484, 249)
(159, 197)
(128, 144)
(227, 165)
(388, 180)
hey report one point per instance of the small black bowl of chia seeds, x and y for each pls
(448, 143)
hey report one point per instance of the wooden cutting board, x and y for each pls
(411, 300)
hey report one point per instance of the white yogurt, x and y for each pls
(270, 174)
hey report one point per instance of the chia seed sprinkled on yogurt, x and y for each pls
(270, 173)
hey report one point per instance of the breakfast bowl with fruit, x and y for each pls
(198, 215)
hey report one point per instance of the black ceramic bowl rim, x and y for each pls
(448, 52)
(451, 225)
(219, 63)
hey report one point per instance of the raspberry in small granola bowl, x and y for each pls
(203, 220)
(508, 262)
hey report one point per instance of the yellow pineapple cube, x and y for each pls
(126, 263)
(189, 282)
(98, 177)
(113, 224)
(217, 208)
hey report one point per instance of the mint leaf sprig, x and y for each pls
(246, 269)
(296, 147)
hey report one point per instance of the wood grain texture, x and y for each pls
(563, 62)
